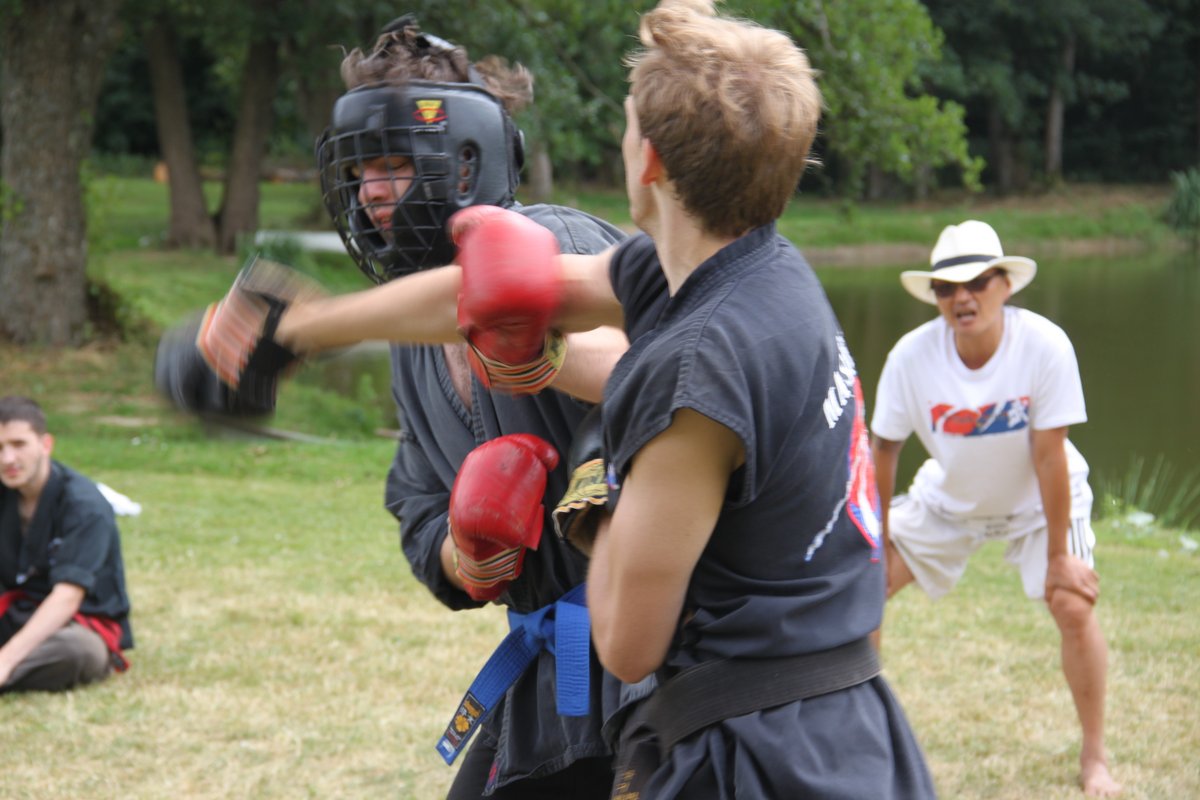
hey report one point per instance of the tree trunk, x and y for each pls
(541, 175)
(239, 206)
(1056, 111)
(52, 58)
(1196, 119)
(190, 224)
(1000, 145)
(876, 183)
(318, 90)
(922, 181)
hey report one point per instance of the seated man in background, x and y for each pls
(64, 611)
(990, 391)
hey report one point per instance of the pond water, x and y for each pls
(1134, 321)
(1135, 324)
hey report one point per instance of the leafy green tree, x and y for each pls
(1155, 128)
(879, 122)
(52, 57)
(264, 36)
(256, 50)
(574, 51)
(869, 51)
(1024, 65)
(1072, 33)
(879, 119)
(190, 224)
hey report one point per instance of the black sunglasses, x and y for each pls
(944, 289)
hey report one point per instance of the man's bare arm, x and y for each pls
(422, 308)
(417, 309)
(591, 356)
(588, 299)
(1063, 570)
(644, 555)
(886, 454)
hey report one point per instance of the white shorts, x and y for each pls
(936, 548)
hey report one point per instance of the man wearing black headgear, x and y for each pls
(411, 143)
(422, 134)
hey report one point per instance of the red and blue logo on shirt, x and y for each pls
(1010, 415)
(862, 502)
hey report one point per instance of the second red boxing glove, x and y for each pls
(511, 286)
(496, 510)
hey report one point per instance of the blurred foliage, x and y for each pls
(916, 92)
(1183, 210)
(11, 204)
(870, 56)
(1157, 489)
(1127, 71)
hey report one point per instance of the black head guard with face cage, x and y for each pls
(464, 151)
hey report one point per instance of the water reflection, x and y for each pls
(1136, 330)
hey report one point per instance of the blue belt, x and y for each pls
(563, 628)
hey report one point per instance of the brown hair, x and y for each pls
(731, 108)
(15, 408)
(402, 53)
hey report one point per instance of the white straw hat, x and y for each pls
(962, 253)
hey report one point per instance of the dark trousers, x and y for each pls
(72, 656)
(584, 779)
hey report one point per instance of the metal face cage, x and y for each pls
(398, 161)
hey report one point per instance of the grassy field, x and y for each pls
(285, 651)
(131, 212)
(1070, 213)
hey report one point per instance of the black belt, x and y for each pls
(704, 695)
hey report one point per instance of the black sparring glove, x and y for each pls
(189, 383)
(227, 361)
(575, 517)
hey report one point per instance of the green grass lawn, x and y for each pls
(1072, 213)
(128, 213)
(284, 649)
(978, 673)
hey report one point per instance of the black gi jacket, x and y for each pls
(793, 564)
(437, 433)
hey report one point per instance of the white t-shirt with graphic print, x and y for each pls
(976, 424)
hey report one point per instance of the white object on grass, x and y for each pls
(122, 506)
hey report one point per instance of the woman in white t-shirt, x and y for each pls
(990, 390)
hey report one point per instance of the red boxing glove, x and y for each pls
(496, 510)
(512, 284)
